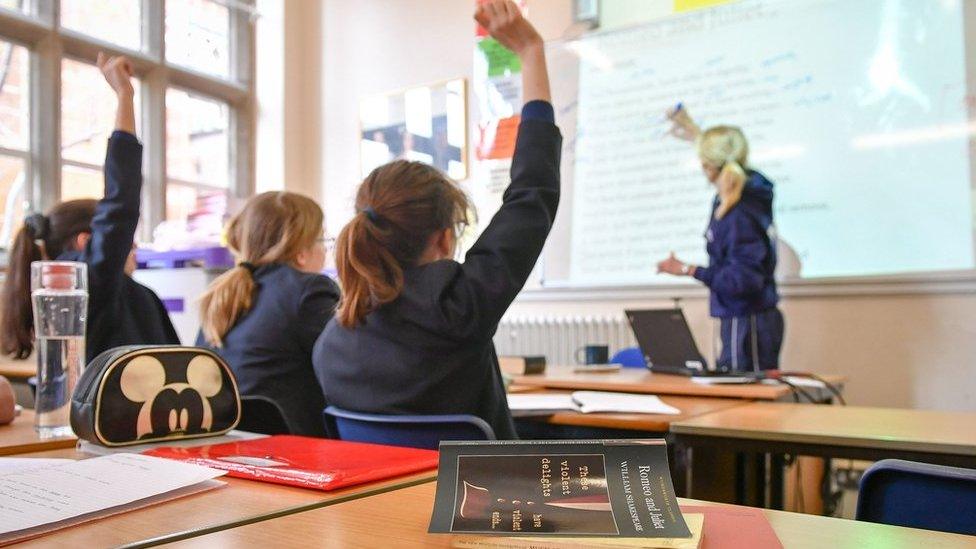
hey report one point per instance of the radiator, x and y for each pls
(558, 338)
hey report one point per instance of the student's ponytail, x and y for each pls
(273, 227)
(726, 148)
(398, 207)
(56, 232)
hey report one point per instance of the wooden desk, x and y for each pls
(655, 423)
(641, 380)
(838, 431)
(19, 437)
(239, 502)
(399, 519)
(18, 370)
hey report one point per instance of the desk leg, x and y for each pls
(776, 463)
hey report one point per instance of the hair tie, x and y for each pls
(251, 267)
(38, 226)
(371, 214)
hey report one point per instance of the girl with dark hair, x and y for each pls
(413, 332)
(100, 233)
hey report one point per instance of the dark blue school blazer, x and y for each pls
(269, 349)
(120, 310)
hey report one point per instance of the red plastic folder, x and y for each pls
(316, 463)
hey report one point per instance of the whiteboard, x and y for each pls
(860, 111)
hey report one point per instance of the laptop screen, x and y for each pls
(665, 339)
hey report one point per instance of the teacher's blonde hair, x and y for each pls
(725, 148)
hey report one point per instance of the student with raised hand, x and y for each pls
(97, 232)
(413, 332)
(264, 315)
(741, 250)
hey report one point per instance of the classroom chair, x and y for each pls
(260, 414)
(416, 431)
(918, 495)
(631, 357)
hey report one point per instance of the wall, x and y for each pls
(909, 351)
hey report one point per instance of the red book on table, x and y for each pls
(317, 463)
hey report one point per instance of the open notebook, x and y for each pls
(588, 402)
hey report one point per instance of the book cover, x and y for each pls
(307, 462)
(610, 488)
(522, 365)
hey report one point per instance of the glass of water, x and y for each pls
(59, 291)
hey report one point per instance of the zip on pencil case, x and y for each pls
(152, 393)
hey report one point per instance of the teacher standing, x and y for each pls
(741, 250)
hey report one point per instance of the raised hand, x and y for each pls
(505, 23)
(117, 71)
(682, 126)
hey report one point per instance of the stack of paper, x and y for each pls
(36, 501)
(590, 401)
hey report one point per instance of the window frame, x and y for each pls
(48, 44)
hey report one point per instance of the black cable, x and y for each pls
(797, 389)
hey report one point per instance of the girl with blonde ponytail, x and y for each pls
(264, 315)
(741, 250)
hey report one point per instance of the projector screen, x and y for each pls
(859, 111)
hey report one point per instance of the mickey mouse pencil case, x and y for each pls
(138, 394)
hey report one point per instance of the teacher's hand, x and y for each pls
(682, 125)
(672, 265)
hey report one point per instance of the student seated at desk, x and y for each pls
(413, 333)
(264, 315)
(97, 232)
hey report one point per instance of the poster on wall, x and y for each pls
(423, 123)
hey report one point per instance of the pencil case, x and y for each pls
(139, 394)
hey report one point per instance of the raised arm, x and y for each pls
(498, 264)
(117, 214)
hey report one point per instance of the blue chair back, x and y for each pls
(402, 430)
(260, 414)
(919, 495)
(631, 357)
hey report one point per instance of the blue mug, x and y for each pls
(593, 354)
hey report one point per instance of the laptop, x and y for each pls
(668, 346)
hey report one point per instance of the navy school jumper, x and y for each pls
(269, 349)
(120, 310)
(741, 263)
(430, 351)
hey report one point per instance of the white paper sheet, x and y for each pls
(17, 465)
(590, 401)
(602, 401)
(57, 493)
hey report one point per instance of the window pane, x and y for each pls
(198, 35)
(114, 21)
(14, 96)
(197, 148)
(16, 5)
(78, 182)
(12, 186)
(87, 112)
(202, 209)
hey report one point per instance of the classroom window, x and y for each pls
(16, 5)
(198, 35)
(116, 21)
(197, 161)
(87, 119)
(14, 134)
(189, 94)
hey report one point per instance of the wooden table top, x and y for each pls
(690, 407)
(20, 437)
(857, 426)
(400, 518)
(240, 501)
(16, 370)
(642, 380)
